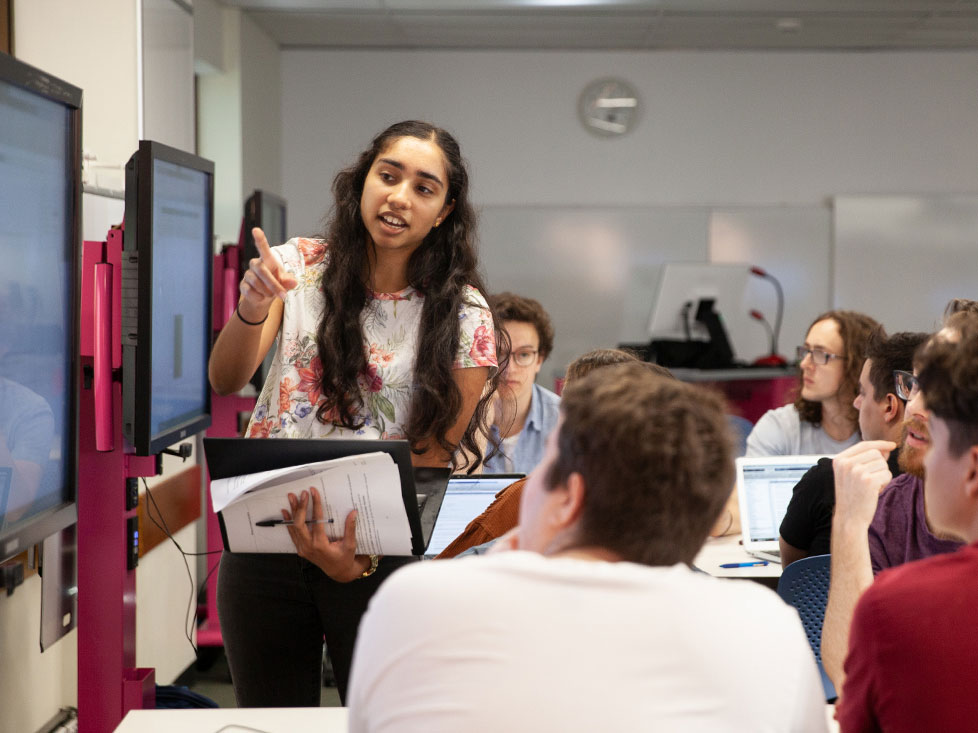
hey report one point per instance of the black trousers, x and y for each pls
(275, 612)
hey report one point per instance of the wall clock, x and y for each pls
(608, 107)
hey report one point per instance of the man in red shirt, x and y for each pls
(913, 644)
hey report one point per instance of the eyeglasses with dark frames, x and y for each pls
(907, 385)
(819, 356)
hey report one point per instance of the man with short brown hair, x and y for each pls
(912, 648)
(595, 621)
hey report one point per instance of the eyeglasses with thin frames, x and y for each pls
(523, 357)
(819, 356)
(907, 385)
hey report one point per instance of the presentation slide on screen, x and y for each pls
(35, 317)
(181, 250)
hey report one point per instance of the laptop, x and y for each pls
(422, 489)
(465, 499)
(764, 488)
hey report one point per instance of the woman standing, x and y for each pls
(383, 332)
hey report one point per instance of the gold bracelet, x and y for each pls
(374, 561)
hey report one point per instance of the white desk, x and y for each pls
(722, 550)
(235, 720)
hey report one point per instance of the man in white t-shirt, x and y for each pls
(594, 621)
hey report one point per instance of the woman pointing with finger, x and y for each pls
(382, 332)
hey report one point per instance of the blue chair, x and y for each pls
(741, 427)
(805, 585)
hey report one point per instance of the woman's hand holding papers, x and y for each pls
(335, 558)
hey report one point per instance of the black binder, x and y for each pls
(422, 489)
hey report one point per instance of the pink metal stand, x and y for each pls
(224, 424)
(109, 683)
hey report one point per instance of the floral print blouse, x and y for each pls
(286, 407)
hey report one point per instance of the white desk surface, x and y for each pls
(721, 550)
(234, 720)
(266, 720)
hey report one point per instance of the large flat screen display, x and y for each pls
(40, 198)
(167, 264)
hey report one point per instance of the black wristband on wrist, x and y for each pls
(247, 322)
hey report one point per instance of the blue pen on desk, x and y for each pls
(287, 522)
(755, 564)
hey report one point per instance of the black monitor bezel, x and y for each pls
(253, 218)
(16, 539)
(137, 354)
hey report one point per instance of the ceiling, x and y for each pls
(620, 25)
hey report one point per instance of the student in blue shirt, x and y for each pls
(525, 412)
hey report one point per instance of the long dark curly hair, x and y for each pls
(440, 269)
(854, 328)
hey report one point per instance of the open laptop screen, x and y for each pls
(465, 499)
(765, 486)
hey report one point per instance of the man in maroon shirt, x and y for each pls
(913, 645)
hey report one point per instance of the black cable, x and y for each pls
(780, 313)
(687, 307)
(190, 620)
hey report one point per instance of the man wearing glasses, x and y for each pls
(911, 661)
(525, 412)
(807, 524)
(879, 522)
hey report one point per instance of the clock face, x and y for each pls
(608, 107)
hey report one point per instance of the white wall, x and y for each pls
(757, 143)
(93, 46)
(261, 115)
(33, 686)
(240, 119)
(168, 74)
(219, 128)
(716, 128)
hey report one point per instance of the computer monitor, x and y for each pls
(692, 302)
(267, 211)
(167, 261)
(40, 191)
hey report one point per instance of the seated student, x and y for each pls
(879, 522)
(912, 647)
(503, 513)
(822, 418)
(596, 621)
(807, 525)
(525, 412)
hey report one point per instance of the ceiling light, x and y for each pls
(788, 25)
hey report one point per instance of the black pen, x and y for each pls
(287, 522)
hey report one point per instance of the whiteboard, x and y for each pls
(902, 258)
(596, 269)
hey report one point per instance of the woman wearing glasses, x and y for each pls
(822, 419)
(525, 412)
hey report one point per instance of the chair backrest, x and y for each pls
(804, 584)
(741, 427)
